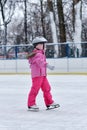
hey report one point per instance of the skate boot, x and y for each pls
(53, 106)
(33, 108)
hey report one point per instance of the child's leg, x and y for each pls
(36, 84)
(46, 88)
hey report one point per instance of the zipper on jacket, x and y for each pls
(40, 72)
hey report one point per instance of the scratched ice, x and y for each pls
(70, 91)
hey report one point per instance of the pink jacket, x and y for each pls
(38, 64)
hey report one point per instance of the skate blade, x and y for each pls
(53, 107)
(33, 109)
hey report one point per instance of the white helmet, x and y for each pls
(39, 39)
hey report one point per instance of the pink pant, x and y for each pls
(37, 83)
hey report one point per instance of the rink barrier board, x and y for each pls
(62, 66)
(60, 73)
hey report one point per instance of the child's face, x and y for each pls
(40, 46)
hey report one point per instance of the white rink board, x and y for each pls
(61, 65)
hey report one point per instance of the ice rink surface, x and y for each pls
(70, 91)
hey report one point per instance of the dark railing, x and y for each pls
(53, 50)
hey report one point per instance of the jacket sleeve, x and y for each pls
(40, 60)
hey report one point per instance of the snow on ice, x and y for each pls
(70, 91)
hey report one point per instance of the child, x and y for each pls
(38, 67)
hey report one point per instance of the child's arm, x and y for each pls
(40, 61)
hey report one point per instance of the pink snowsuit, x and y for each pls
(39, 80)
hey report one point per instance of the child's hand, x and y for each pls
(50, 67)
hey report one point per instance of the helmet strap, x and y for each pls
(38, 48)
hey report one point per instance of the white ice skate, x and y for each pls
(52, 106)
(33, 108)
